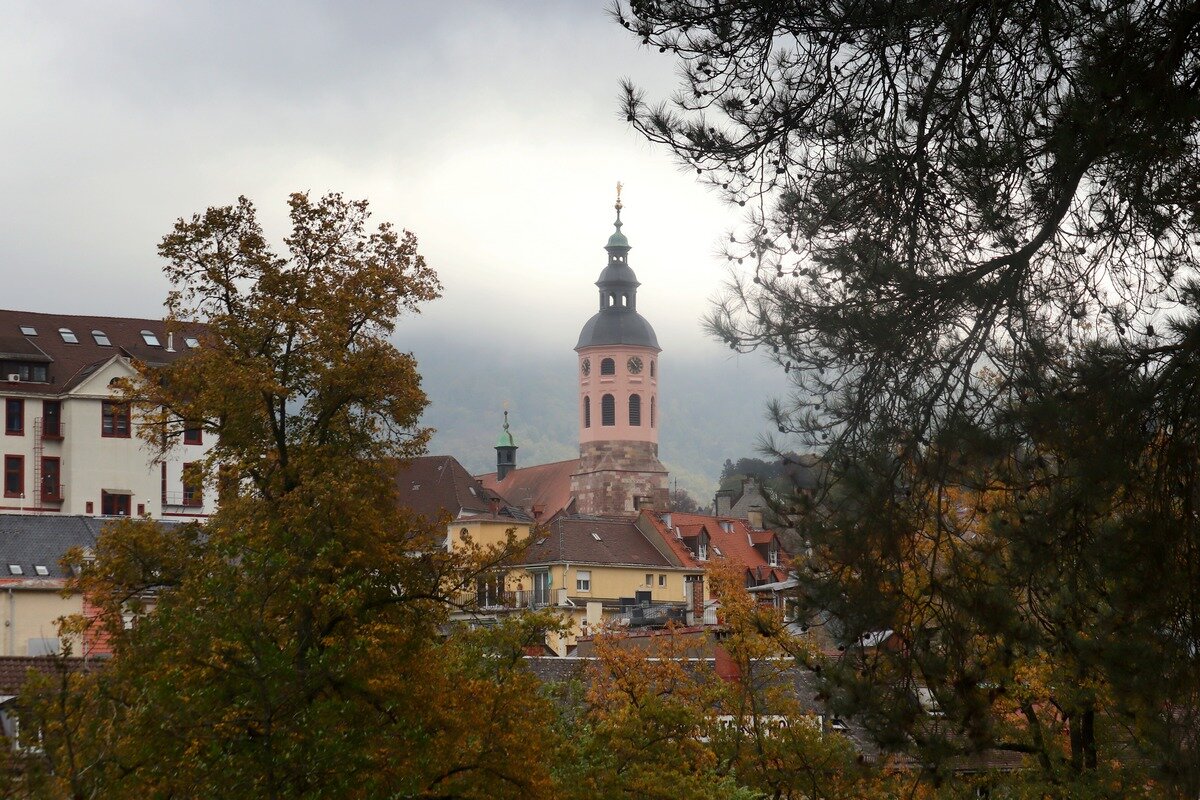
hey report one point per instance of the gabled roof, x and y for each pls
(14, 670)
(593, 540)
(33, 540)
(543, 490)
(69, 363)
(436, 485)
(741, 544)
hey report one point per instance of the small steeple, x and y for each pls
(617, 239)
(506, 451)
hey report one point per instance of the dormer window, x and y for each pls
(68, 336)
(702, 547)
(149, 338)
(28, 330)
(101, 338)
(773, 554)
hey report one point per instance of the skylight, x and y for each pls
(15, 569)
(68, 336)
(101, 338)
(149, 338)
(40, 570)
(191, 341)
(28, 330)
(595, 536)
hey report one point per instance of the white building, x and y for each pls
(67, 447)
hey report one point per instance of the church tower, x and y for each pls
(618, 371)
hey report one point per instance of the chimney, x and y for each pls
(170, 341)
(723, 502)
(755, 517)
(697, 588)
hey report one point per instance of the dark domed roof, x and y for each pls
(617, 327)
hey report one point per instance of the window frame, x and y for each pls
(9, 404)
(583, 580)
(608, 367)
(56, 495)
(192, 496)
(111, 413)
(635, 410)
(587, 412)
(608, 411)
(57, 433)
(541, 587)
(112, 500)
(193, 435)
(19, 461)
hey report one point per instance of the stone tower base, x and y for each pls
(613, 475)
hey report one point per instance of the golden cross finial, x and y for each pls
(619, 188)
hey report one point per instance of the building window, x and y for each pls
(662, 580)
(608, 410)
(649, 579)
(191, 341)
(14, 476)
(68, 336)
(652, 404)
(608, 367)
(489, 590)
(773, 554)
(114, 505)
(101, 338)
(702, 548)
(193, 436)
(23, 371)
(149, 338)
(52, 419)
(587, 412)
(28, 330)
(583, 580)
(14, 416)
(191, 486)
(541, 588)
(635, 409)
(51, 477)
(114, 420)
(652, 368)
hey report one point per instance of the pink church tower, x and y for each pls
(619, 417)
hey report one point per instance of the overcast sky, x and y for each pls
(491, 130)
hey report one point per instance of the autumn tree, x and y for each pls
(299, 642)
(970, 238)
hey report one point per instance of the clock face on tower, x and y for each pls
(634, 364)
(586, 366)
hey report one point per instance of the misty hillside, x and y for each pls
(710, 409)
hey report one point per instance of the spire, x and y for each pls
(617, 239)
(506, 451)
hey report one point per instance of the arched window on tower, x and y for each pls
(587, 412)
(652, 368)
(651, 411)
(635, 409)
(608, 367)
(608, 410)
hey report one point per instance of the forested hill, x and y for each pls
(712, 408)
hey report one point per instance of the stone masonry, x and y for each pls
(613, 474)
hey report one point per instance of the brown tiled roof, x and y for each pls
(574, 540)
(741, 544)
(433, 485)
(14, 670)
(70, 363)
(543, 490)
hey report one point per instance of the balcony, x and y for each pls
(486, 600)
(183, 499)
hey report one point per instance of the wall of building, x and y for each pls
(622, 385)
(29, 610)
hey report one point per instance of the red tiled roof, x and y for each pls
(68, 363)
(14, 670)
(544, 489)
(592, 540)
(738, 544)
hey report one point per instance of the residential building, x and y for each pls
(69, 447)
